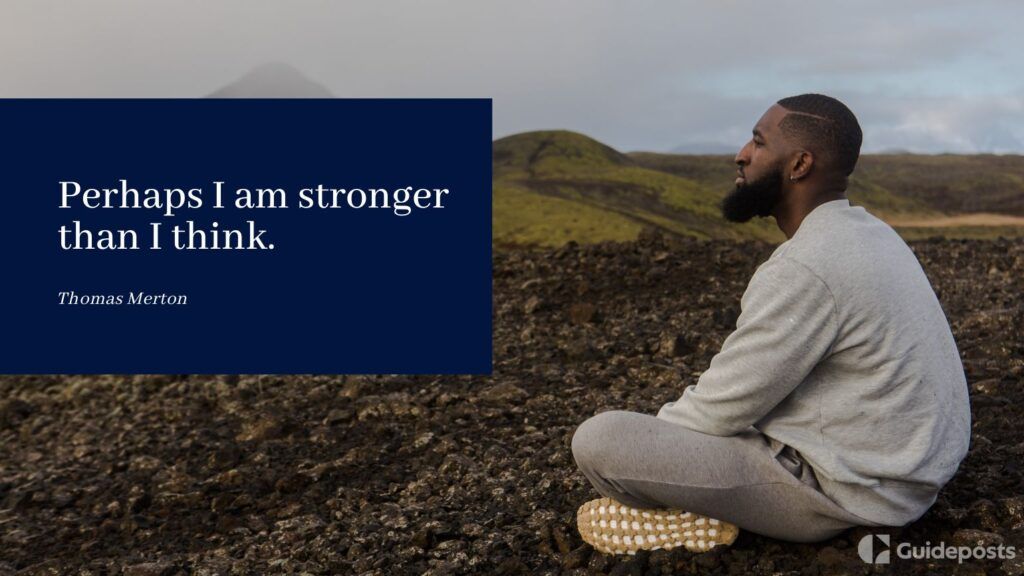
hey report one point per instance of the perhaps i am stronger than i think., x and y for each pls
(190, 237)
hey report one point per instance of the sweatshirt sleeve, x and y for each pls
(787, 324)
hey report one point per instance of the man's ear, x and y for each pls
(801, 165)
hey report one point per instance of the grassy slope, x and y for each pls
(951, 183)
(554, 186)
(711, 171)
(523, 217)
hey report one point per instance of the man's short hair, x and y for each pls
(825, 126)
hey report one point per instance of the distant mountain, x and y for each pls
(554, 186)
(273, 80)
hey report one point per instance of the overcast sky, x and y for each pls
(927, 76)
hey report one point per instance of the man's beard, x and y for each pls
(757, 198)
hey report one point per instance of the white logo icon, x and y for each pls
(866, 549)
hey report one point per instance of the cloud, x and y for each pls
(651, 77)
(951, 124)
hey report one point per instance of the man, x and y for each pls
(840, 398)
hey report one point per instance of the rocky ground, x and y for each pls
(179, 474)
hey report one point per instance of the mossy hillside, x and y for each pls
(713, 172)
(551, 150)
(951, 183)
(614, 189)
(555, 186)
(524, 218)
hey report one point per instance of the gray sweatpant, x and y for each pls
(750, 480)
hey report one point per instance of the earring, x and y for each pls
(792, 178)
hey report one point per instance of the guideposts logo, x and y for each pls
(876, 549)
(871, 552)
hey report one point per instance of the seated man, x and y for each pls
(839, 400)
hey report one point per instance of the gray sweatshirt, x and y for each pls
(842, 352)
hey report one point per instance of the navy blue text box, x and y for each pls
(345, 289)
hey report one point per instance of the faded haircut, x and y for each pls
(824, 126)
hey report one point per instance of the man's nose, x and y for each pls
(741, 156)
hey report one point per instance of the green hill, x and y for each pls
(554, 186)
(951, 183)
(716, 171)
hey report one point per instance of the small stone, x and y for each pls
(63, 498)
(351, 389)
(301, 525)
(338, 415)
(529, 283)
(423, 439)
(532, 304)
(599, 563)
(577, 558)
(989, 386)
(445, 398)
(138, 499)
(582, 312)
(13, 411)
(544, 546)
(226, 456)
(561, 540)
(503, 392)
(971, 537)
(158, 568)
(830, 556)
(579, 349)
(1013, 566)
(227, 479)
(726, 317)
(628, 568)
(266, 428)
(954, 516)
(145, 463)
(708, 561)
(511, 567)
(984, 513)
(984, 401)
(674, 345)
(472, 529)
(1013, 509)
